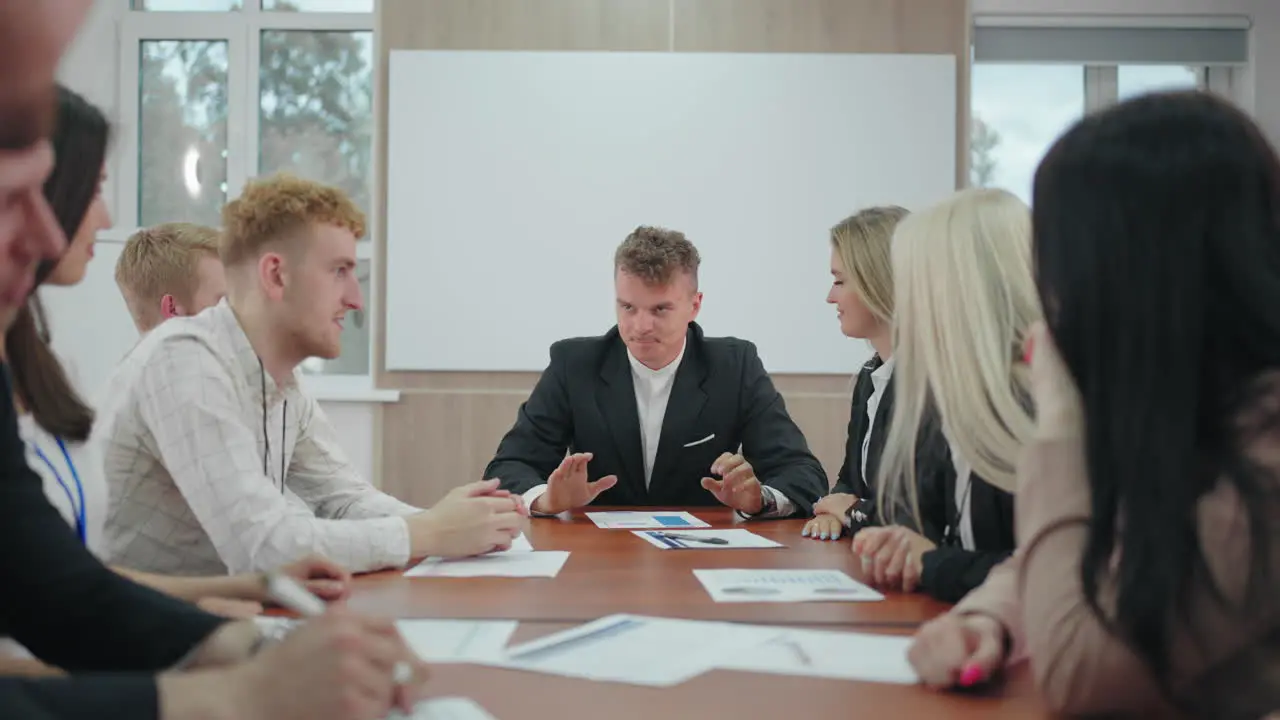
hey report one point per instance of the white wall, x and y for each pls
(1260, 90)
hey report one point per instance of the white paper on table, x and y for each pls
(641, 519)
(457, 640)
(822, 585)
(445, 708)
(519, 561)
(636, 649)
(827, 654)
(683, 539)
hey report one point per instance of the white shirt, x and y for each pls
(879, 381)
(653, 392)
(67, 477)
(68, 502)
(962, 495)
(183, 446)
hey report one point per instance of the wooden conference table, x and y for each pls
(613, 571)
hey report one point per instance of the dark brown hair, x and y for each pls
(39, 380)
(656, 254)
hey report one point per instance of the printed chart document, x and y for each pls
(520, 561)
(637, 649)
(639, 519)
(445, 708)
(783, 586)
(706, 539)
(457, 640)
(828, 654)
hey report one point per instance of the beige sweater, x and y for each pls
(1226, 665)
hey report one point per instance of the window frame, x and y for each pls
(242, 31)
(1100, 80)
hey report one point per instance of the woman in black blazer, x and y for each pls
(862, 291)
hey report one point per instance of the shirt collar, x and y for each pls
(247, 364)
(645, 371)
(884, 372)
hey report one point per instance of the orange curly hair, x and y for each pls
(272, 208)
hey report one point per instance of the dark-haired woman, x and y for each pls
(1147, 576)
(55, 423)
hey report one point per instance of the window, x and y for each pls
(1134, 80)
(1018, 111)
(182, 124)
(348, 6)
(1030, 82)
(226, 90)
(186, 5)
(315, 99)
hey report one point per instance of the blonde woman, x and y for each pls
(965, 300)
(862, 292)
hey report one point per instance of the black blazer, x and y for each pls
(950, 571)
(70, 611)
(851, 480)
(585, 402)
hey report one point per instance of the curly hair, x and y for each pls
(270, 209)
(656, 254)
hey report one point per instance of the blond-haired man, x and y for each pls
(170, 270)
(217, 461)
(653, 410)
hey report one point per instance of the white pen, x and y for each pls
(290, 593)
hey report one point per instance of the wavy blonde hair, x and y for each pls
(965, 299)
(862, 241)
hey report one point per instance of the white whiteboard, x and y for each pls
(513, 176)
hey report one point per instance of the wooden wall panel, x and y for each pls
(447, 425)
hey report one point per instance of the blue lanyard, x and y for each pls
(76, 508)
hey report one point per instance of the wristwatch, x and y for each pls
(856, 517)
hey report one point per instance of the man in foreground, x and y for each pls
(217, 461)
(653, 409)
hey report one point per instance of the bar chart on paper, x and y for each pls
(642, 520)
(724, 585)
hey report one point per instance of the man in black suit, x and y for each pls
(653, 409)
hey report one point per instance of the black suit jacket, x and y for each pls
(950, 571)
(585, 402)
(851, 479)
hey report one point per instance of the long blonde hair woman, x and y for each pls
(965, 299)
(862, 293)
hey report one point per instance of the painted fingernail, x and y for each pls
(971, 676)
(804, 533)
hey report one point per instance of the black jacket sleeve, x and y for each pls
(80, 697)
(849, 481)
(71, 611)
(951, 572)
(534, 447)
(772, 442)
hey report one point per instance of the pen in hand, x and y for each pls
(290, 594)
(695, 538)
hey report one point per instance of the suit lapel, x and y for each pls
(616, 398)
(683, 408)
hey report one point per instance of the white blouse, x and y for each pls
(73, 480)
